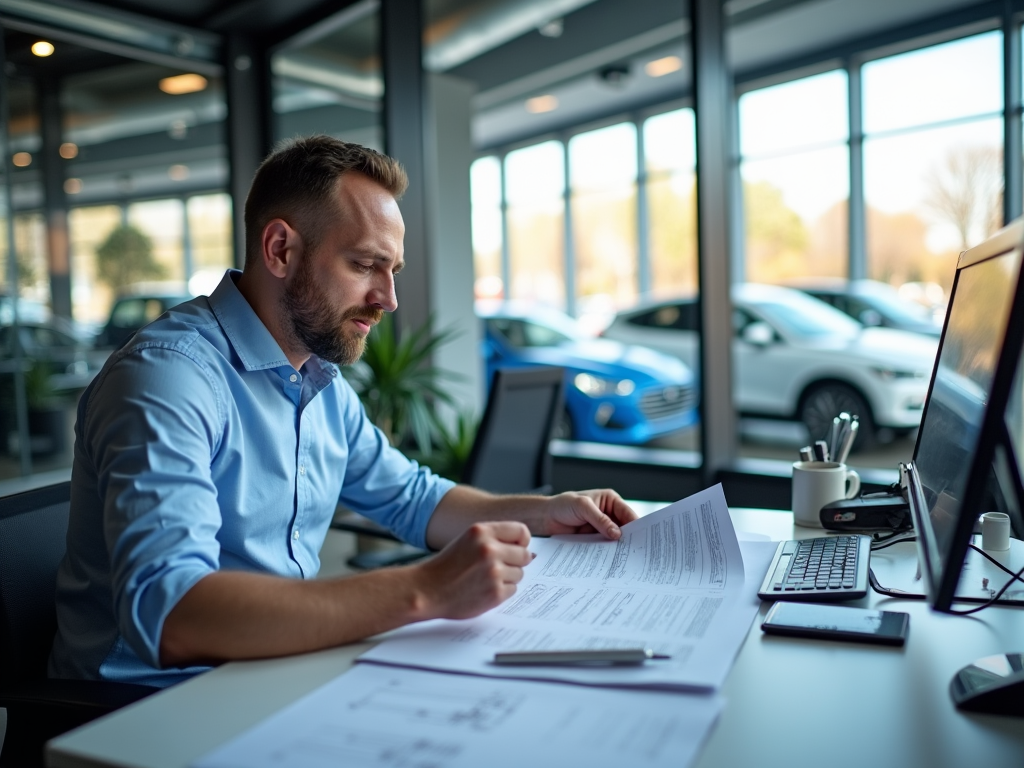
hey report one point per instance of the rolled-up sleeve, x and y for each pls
(382, 483)
(152, 430)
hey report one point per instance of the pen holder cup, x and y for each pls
(817, 483)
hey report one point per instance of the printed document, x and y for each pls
(674, 582)
(381, 717)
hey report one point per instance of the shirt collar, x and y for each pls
(254, 344)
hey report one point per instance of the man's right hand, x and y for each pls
(475, 572)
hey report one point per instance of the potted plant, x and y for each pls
(398, 385)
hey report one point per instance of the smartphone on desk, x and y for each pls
(837, 622)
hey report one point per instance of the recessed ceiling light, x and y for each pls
(663, 66)
(73, 186)
(539, 104)
(68, 150)
(178, 172)
(21, 159)
(180, 84)
(42, 48)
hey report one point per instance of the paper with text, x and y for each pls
(380, 717)
(673, 582)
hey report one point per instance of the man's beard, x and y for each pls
(319, 327)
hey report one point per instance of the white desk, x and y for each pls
(791, 702)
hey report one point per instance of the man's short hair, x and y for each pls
(296, 182)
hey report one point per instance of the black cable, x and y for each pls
(1014, 577)
(995, 562)
(889, 592)
(899, 593)
(895, 538)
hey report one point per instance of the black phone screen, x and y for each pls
(836, 622)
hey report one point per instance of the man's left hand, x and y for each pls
(599, 511)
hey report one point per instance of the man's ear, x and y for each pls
(281, 245)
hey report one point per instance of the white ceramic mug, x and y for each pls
(817, 483)
(995, 531)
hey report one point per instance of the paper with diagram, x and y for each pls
(384, 717)
(674, 582)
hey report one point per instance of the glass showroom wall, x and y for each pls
(931, 134)
(795, 171)
(146, 172)
(668, 213)
(933, 169)
(138, 161)
(591, 224)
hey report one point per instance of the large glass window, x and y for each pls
(209, 220)
(89, 227)
(932, 157)
(534, 190)
(671, 185)
(603, 172)
(485, 188)
(139, 140)
(796, 181)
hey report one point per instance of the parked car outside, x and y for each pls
(614, 393)
(874, 303)
(795, 357)
(137, 308)
(71, 364)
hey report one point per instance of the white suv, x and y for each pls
(795, 357)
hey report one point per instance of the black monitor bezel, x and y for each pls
(941, 570)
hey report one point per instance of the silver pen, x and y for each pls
(581, 657)
(851, 435)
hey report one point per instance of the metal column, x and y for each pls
(712, 94)
(249, 124)
(568, 235)
(643, 239)
(55, 205)
(402, 54)
(1013, 194)
(17, 370)
(857, 223)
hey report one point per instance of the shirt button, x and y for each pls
(302, 469)
(293, 378)
(295, 534)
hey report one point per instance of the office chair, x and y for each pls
(33, 532)
(509, 455)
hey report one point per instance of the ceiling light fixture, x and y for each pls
(178, 172)
(73, 186)
(539, 104)
(663, 66)
(42, 48)
(180, 84)
(21, 159)
(68, 150)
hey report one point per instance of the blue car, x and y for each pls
(614, 392)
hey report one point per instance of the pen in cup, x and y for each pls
(848, 438)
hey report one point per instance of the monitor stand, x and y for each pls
(993, 685)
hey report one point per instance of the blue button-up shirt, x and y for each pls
(200, 448)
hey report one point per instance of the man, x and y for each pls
(212, 450)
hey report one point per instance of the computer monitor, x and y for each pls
(970, 446)
(971, 441)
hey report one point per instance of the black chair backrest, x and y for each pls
(33, 534)
(510, 453)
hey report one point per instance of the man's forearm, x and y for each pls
(463, 506)
(237, 615)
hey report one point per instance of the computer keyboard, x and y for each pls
(822, 568)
